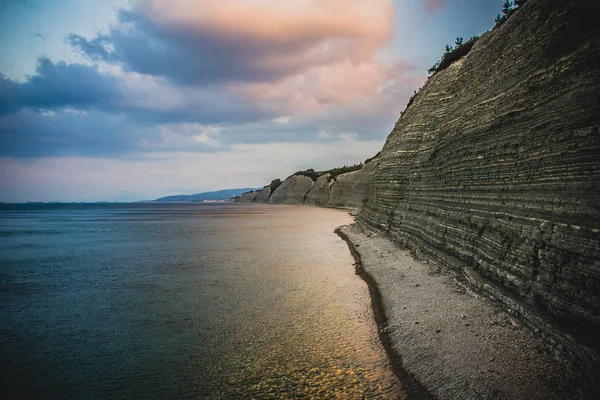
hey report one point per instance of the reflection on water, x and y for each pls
(184, 301)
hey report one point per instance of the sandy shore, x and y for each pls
(447, 343)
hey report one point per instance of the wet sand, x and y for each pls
(446, 343)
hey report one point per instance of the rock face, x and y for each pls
(292, 190)
(350, 189)
(346, 190)
(249, 197)
(263, 195)
(494, 170)
(319, 193)
(343, 192)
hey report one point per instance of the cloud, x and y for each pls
(59, 85)
(149, 100)
(66, 132)
(432, 6)
(207, 42)
(206, 76)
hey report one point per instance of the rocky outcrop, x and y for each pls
(319, 193)
(263, 195)
(292, 190)
(343, 192)
(350, 190)
(248, 197)
(493, 171)
(346, 190)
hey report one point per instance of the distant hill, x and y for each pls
(217, 195)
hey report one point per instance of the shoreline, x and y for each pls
(410, 384)
(445, 342)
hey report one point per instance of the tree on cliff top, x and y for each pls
(452, 54)
(508, 9)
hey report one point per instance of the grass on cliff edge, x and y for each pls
(333, 173)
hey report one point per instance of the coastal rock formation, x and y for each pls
(344, 193)
(350, 190)
(249, 197)
(319, 193)
(292, 190)
(262, 196)
(493, 171)
(345, 190)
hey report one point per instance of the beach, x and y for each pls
(453, 344)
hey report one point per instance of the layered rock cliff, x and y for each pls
(328, 189)
(292, 190)
(493, 171)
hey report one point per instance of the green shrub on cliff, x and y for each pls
(452, 54)
(508, 9)
(333, 173)
(311, 173)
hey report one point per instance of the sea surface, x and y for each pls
(155, 301)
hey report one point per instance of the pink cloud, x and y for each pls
(311, 56)
(432, 6)
(274, 39)
(322, 64)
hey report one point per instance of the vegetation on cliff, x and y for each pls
(311, 173)
(333, 173)
(508, 9)
(452, 54)
(460, 49)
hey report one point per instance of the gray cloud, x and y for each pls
(59, 85)
(71, 132)
(35, 134)
(96, 48)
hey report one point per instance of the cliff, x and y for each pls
(328, 189)
(493, 171)
(292, 190)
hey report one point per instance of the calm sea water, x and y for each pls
(184, 301)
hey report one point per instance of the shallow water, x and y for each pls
(184, 301)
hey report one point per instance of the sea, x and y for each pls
(184, 301)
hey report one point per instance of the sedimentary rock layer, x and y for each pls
(346, 190)
(249, 197)
(494, 169)
(319, 193)
(350, 190)
(262, 196)
(292, 190)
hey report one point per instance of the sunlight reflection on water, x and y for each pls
(185, 301)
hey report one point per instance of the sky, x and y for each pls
(120, 100)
